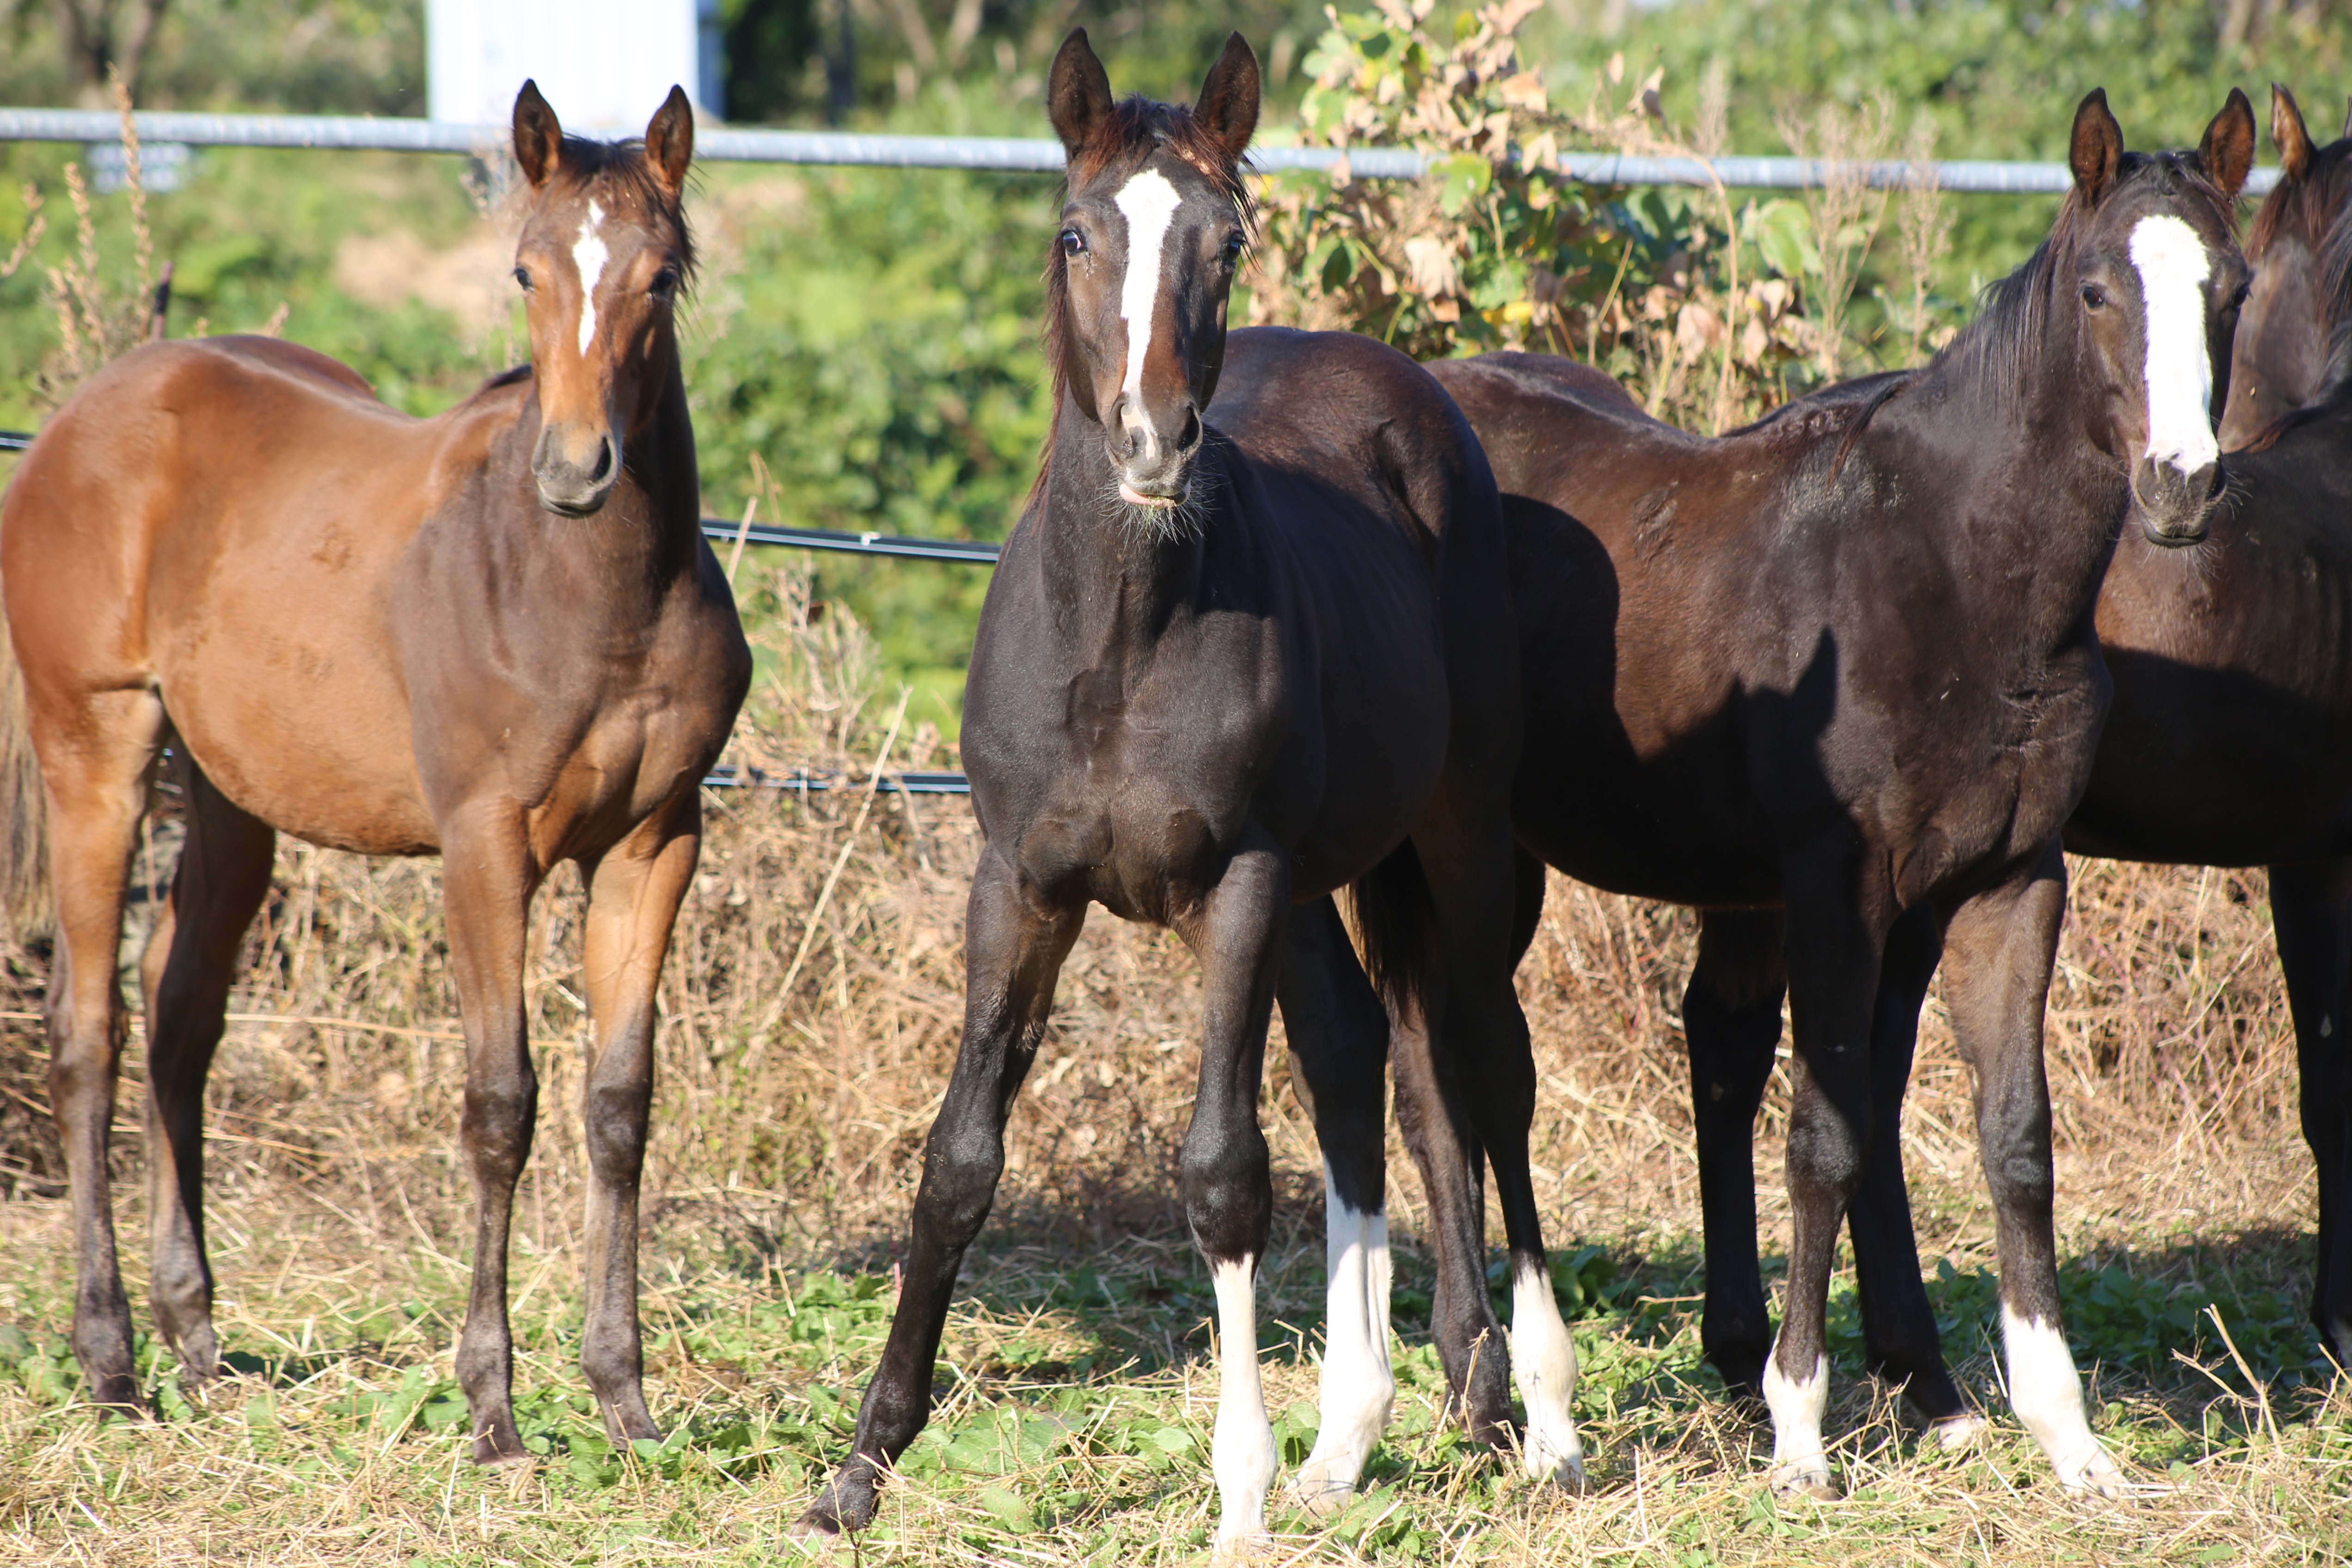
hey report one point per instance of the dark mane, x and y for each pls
(2319, 206)
(1135, 128)
(2003, 345)
(586, 161)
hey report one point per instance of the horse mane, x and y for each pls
(2320, 204)
(584, 161)
(1135, 128)
(2004, 345)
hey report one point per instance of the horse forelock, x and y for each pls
(620, 178)
(1136, 130)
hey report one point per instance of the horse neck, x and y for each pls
(2025, 499)
(1111, 589)
(626, 556)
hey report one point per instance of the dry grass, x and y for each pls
(788, 1126)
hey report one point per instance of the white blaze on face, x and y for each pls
(1797, 1404)
(1148, 202)
(1241, 1452)
(589, 255)
(2173, 268)
(1358, 1385)
(2047, 1394)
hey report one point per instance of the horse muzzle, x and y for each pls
(575, 486)
(2174, 508)
(1153, 457)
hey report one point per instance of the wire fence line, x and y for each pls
(1017, 154)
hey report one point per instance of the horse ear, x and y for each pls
(1078, 92)
(2228, 149)
(2288, 134)
(1227, 107)
(538, 138)
(2347, 116)
(2096, 147)
(669, 139)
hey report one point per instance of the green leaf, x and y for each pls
(1010, 1510)
(1460, 180)
(1782, 233)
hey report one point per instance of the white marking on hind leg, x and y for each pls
(1799, 1463)
(2047, 1394)
(1544, 1358)
(2173, 268)
(589, 255)
(1358, 1385)
(1242, 1454)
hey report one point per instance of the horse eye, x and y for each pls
(1233, 246)
(2239, 297)
(2094, 296)
(522, 276)
(1073, 242)
(665, 283)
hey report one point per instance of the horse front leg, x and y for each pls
(1228, 1182)
(2311, 914)
(1015, 939)
(1900, 1340)
(1338, 1047)
(488, 879)
(94, 762)
(634, 893)
(1999, 946)
(1731, 1029)
(1837, 929)
(190, 964)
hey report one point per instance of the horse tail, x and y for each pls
(1395, 919)
(28, 908)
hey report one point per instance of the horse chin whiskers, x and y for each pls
(1174, 523)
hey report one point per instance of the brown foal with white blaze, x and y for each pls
(496, 636)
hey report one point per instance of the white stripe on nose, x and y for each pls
(2173, 268)
(1148, 202)
(589, 255)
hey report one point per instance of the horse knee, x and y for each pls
(960, 1177)
(497, 1127)
(1229, 1194)
(615, 1117)
(1826, 1152)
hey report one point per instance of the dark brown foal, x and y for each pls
(496, 636)
(1833, 678)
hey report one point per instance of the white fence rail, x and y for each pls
(1007, 154)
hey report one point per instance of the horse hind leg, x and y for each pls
(2311, 914)
(1339, 1045)
(634, 893)
(1731, 1025)
(190, 964)
(94, 762)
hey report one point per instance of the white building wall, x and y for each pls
(604, 65)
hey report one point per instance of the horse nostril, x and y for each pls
(1192, 435)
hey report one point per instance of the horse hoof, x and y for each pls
(1805, 1480)
(2099, 1475)
(846, 1504)
(117, 1394)
(1320, 1499)
(1242, 1547)
(1954, 1433)
(501, 1449)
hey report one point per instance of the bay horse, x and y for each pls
(1833, 680)
(494, 634)
(1240, 656)
(2230, 738)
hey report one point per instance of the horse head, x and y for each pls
(1154, 225)
(603, 253)
(2151, 273)
(2293, 346)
